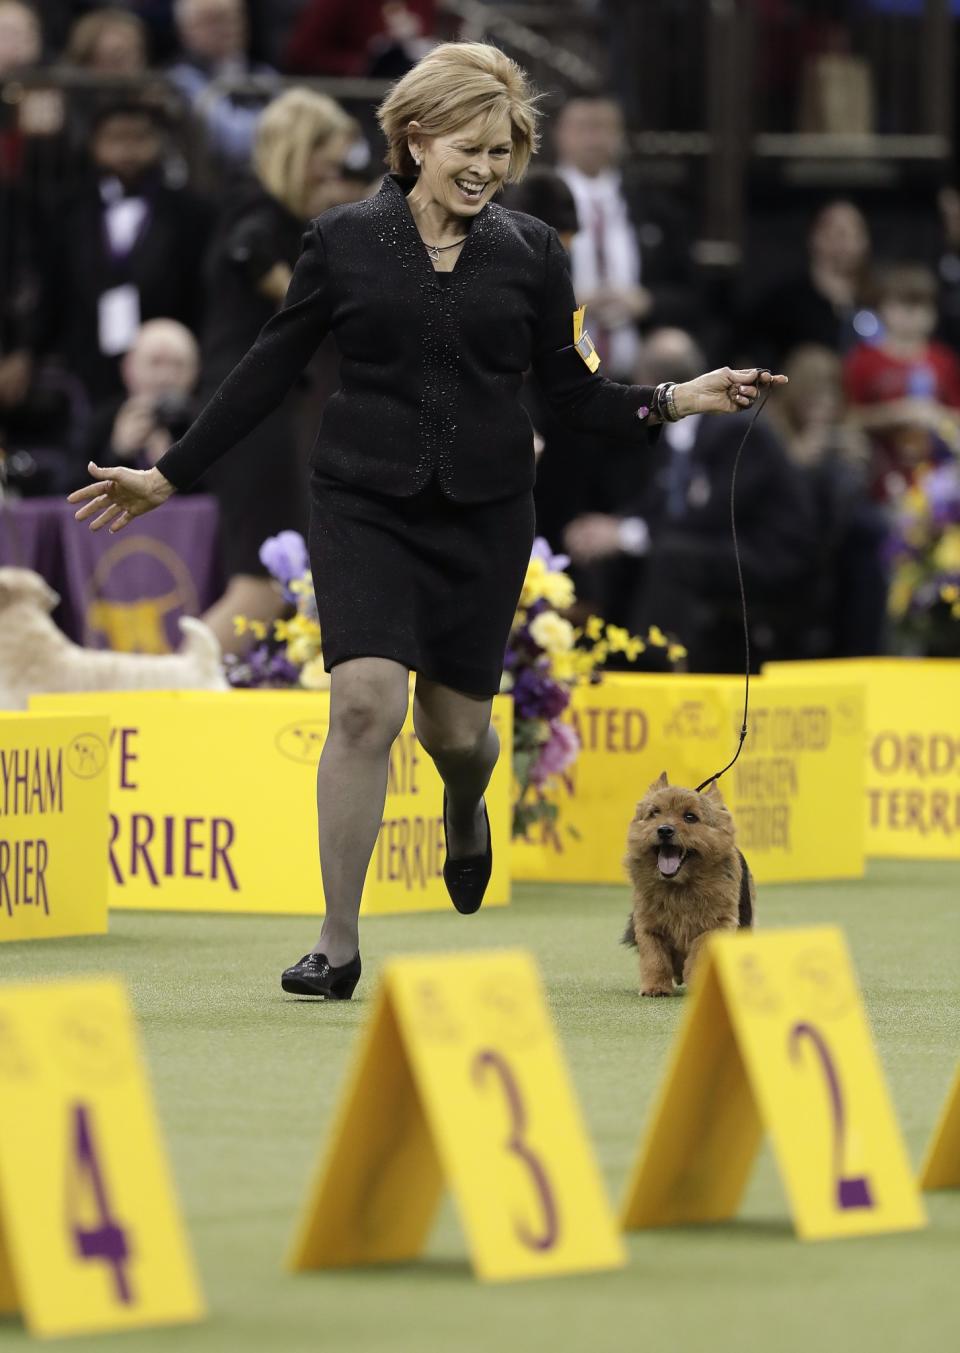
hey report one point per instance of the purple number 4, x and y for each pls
(108, 1240)
(852, 1191)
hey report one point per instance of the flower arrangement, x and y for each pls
(925, 552)
(289, 652)
(547, 657)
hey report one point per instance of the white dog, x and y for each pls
(37, 657)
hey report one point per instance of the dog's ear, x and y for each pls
(661, 783)
(22, 584)
(712, 792)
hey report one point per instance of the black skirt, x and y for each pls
(428, 582)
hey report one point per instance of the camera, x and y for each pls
(175, 413)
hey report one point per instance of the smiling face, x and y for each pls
(461, 171)
(677, 830)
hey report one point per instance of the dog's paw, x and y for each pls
(657, 991)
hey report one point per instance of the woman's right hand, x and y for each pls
(120, 494)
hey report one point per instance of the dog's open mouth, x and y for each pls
(669, 860)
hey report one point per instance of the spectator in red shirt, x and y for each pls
(905, 387)
(361, 37)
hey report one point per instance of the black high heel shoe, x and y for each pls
(467, 878)
(314, 976)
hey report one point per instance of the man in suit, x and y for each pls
(673, 539)
(127, 248)
(630, 259)
(214, 35)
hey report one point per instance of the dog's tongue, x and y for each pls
(668, 860)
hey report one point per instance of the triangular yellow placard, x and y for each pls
(941, 1165)
(775, 1037)
(90, 1233)
(460, 1080)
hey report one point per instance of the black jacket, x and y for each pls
(431, 364)
(688, 583)
(164, 265)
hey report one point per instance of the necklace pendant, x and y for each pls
(434, 252)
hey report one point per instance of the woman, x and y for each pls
(302, 141)
(109, 42)
(422, 514)
(825, 304)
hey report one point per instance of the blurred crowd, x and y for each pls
(150, 217)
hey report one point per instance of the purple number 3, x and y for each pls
(546, 1240)
(108, 1240)
(851, 1191)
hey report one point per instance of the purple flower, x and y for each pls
(557, 753)
(285, 555)
(555, 563)
(537, 696)
(263, 666)
(942, 489)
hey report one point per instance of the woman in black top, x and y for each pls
(302, 140)
(422, 515)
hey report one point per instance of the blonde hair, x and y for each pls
(87, 31)
(453, 84)
(290, 129)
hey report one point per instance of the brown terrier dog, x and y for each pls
(688, 879)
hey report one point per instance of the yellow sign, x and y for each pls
(775, 1037)
(191, 828)
(53, 826)
(911, 797)
(941, 1166)
(795, 792)
(91, 1235)
(460, 1079)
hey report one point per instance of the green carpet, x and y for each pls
(246, 1081)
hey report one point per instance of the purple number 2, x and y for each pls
(490, 1060)
(852, 1191)
(107, 1240)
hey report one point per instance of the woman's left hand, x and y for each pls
(723, 391)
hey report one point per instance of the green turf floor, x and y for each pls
(246, 1081)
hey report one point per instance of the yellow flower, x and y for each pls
(902, 588)
(950, 593)
(313, 676)
(258, 629)
(558, 590)
(617, 638)
(601, 652)
(656, 636)
(532, 589)
(676, 652)
(563, 666)
(281, 631)
(594, 628)
(634, 647)
(947, 554)
(239, 624)
(302, 650)
(551, 632)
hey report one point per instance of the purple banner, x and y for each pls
(124, 591)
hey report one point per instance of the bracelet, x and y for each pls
(665, 404)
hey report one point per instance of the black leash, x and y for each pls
(743, 593)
